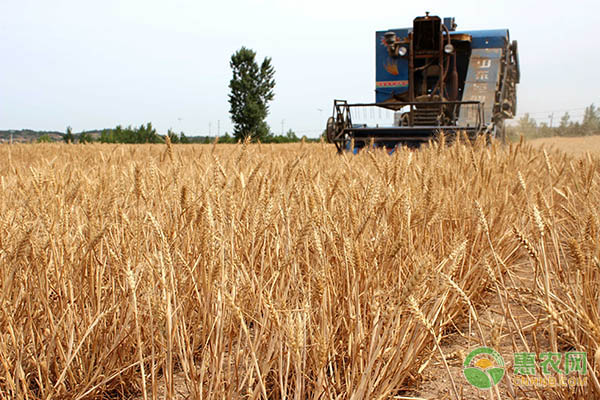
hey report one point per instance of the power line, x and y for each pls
(551, 111)
(558, 111)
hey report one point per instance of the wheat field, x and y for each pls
(288, 271)
(572, 145)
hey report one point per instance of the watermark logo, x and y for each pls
(558, 369)
(483, 367)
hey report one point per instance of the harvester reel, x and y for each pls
(335, 127)
(330, 130)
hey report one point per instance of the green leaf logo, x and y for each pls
(483, 367)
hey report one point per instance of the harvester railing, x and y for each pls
(413, 127)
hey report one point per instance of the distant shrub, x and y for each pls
(44, 139)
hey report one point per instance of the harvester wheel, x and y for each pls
(330, 130)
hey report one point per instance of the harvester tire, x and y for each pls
(330, 129)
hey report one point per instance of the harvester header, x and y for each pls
(432, 78)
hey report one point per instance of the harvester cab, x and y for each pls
(432, 80)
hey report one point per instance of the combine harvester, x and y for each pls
(432, 79)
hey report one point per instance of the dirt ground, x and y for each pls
(436, 384)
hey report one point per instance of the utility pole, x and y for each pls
(551, 118)
(218, 127)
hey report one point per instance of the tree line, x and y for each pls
(590, 125)
(251, 90)
(146, 133)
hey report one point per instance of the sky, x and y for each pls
(97, 64)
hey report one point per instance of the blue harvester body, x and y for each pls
(435, 79)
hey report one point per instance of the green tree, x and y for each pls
(44, 139)
(183, 139)
(107, 136)
(291, 135)
(251, 90)
(527, 126)
(143, 134)
(591, 120)
(68, 138)
(85, 138)
(226, 138)
(173, 136)
(565, 122)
